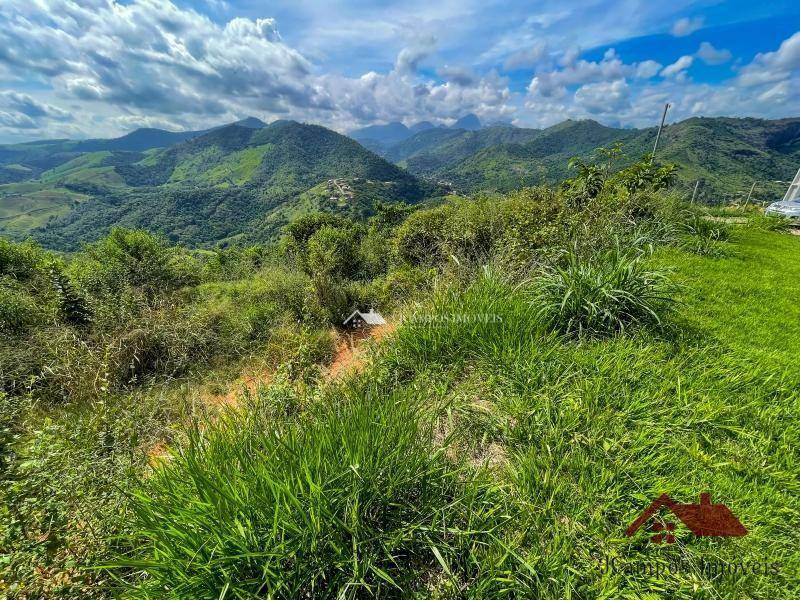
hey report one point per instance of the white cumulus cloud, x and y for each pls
(687, 26)
(713, 56)
(678, 68)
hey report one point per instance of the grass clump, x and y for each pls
(602, 294)
(769, 223)
(354, 499)
(703, 234)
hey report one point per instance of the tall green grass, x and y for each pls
(353, 500)
(603, 293)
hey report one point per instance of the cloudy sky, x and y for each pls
(99, 68)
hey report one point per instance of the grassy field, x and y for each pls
(486, 457)
(25, 206)
(747, 300)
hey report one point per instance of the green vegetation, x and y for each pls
(235, 184)
(26, 206)
(561, 357)
(602, 295)
(726, 155)
(241, 183)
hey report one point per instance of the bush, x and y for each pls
(129, 258)
(602, 294)
(21, 261)
(63, 494)
(421, 239)
(332, 252)
(18, 311)
(471, 231)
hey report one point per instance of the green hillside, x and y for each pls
(19, 162)
(243, 181)
(727, 155)
(452, 149)
(232, 183)
(178, 423)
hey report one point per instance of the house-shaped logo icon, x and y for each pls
(362, 320)
(704, 519)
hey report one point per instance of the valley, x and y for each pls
(243, 182)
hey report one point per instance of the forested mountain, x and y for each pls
(21, 162)
(727, 155)
(247, 179)
(233, 182)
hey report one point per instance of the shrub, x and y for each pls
(63, 494)
(602, 294)
(73, 307)
(301, 229)
(54, 363)
(332, 252)
(335, 296)
(421, 239)
(529, 221)
(21, 261)
(374, 253)
(128, 258)
(231, 263)
(645, 174)
(18, 311)
(586, 185)
(471, 231)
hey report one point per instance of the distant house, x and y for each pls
(361, 320)
(704, 519)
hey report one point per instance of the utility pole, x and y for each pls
(750, 195)
(694, 193)
(660, 127)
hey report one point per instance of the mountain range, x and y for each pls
(241, 181)
(379, 138)
(245, 180)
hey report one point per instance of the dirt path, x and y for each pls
(349, 356)
(350, 352)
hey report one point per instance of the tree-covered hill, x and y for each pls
(727, 155)
(245, 180)
(381, 138)
(235, 183)
(427, 153)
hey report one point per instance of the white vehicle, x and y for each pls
(790, 205)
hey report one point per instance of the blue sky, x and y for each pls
(85, 68)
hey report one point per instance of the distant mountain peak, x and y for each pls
(470, 122)
(251, 122)
(421, 126)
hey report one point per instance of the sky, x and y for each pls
(101, 68)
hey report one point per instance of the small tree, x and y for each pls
(73, 307)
